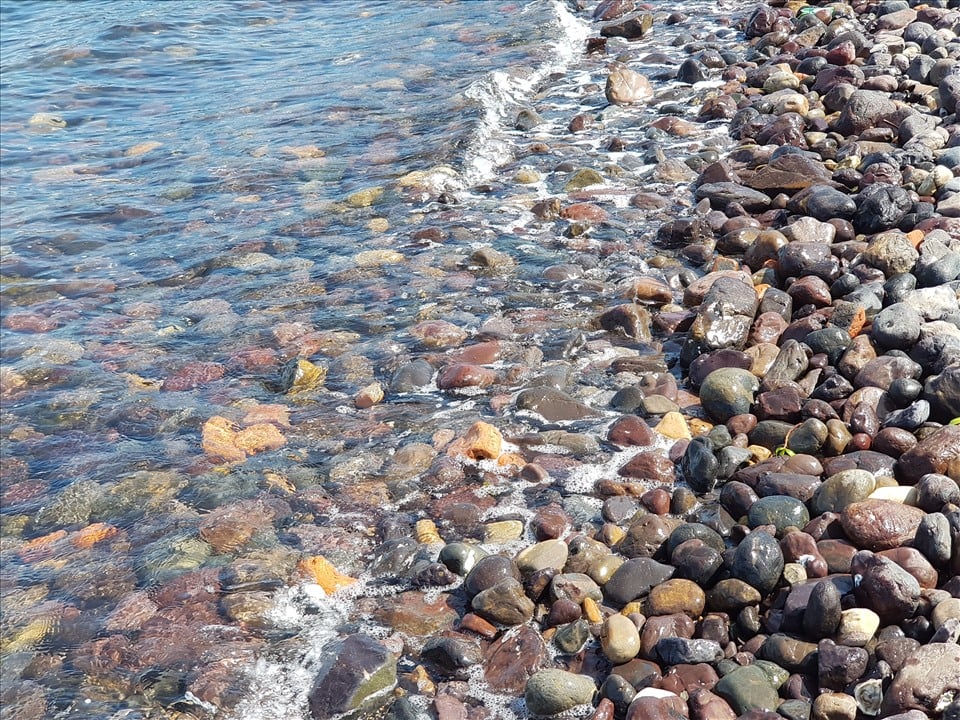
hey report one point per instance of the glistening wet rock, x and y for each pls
(356, 676)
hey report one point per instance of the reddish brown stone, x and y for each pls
(513, 658)
(630, 431)
(460, 375)
(650, 466)
(880, 524)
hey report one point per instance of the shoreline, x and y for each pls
(798, 565)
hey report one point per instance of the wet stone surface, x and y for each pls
(620, 383)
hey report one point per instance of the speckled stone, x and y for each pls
(748, 688)
(727, 392)
(781, 511)
(676, 595)
(553, 691)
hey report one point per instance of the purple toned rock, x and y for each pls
(880, 524)
(925, 679)
(938, 453)
(886, 588)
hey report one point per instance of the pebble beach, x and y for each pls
(641, 403)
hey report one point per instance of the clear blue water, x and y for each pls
(180, 219)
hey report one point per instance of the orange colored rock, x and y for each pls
(92, 534)
(587, 212)
(258, 438)
(369, 396)
(218, 437)
(322, 571)
(41, 547)
(511, 459)
(481, 442)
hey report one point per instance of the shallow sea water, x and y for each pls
(196, 193)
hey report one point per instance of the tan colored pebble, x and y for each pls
(945, 610)
(425, 532)
(834, 706)
(674, 426)
(603, 569)
(620, 639)
(759, 452)
(502, 531)
(903, 494)
(369, 396)
(794, 573)
(364, 198)
(611, 534)
(857, 627)
(699, 427)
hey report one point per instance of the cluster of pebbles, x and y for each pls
(761, 519)
(785, 543)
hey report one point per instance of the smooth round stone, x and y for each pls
(857, 627)
(583, 553)
(880, 524)
(357, 672)
(604, 568)
(727, 392)
(549, 553)
(656, 704)
(758, 561)
(945, 610)
(790, 653)
(808, 437)
(676, 595)
(619, 691)
(896, 326)
(575, 586)
(461, 557)
(842, 490)
(696, 561)
(929, 675)
(934, 491)
(563, 611)
(506, 603)
(833, 706)
(822, 615)
(620, 639)
(502, 531)
(647, 536)
(894, 441)
(781, 511)
(689, 531)
(487, 572)
(885, 587)
(747, 689)
(737, 498)
(933, 538)
(552, 691)
(732, 595)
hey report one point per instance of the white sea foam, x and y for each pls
(501, 93)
